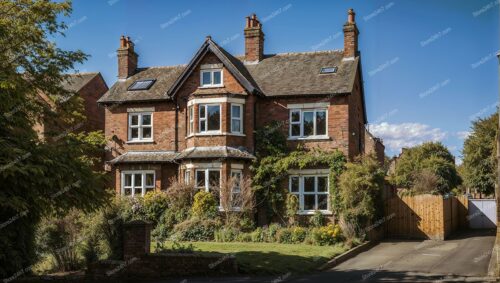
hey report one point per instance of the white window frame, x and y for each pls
(205, 118)
(187, 176)
(301, 123)
(206, 186)
(191, 120)
(139, 126)
(211, 84)
(239, 119)
(301, 193)
(143, 186)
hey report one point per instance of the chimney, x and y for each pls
(127, 58)
(350, 36)
(254, 40)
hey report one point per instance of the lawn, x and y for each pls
(272, 258)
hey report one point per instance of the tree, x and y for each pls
(361, 185)
(38, 178)
(431, 157)
(479, 152)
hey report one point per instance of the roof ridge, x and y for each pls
(164, 67)
(82, 73)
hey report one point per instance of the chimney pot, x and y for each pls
(351, 16)
(122, 41)
(254, 39)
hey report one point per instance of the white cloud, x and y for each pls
(396, 136)
(463, 134)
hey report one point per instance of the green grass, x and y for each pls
(272, 258)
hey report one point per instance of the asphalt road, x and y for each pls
(464, 258)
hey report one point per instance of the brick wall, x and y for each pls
(90, 93)
(275, 109)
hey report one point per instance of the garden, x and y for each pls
(188, 221)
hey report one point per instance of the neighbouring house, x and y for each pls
(90, 87)
(197, 122)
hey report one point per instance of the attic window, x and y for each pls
(328, 70)
(141, 85)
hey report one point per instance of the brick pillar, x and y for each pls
(136, 239)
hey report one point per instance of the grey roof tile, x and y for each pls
(215, 152)
(284, 74)
(145, 157)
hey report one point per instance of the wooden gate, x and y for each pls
(425, 216)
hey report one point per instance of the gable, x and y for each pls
(230, 84)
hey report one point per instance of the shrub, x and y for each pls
(244, 237)
(196, 230)
(284, 236)
(258, 235)
(292, 206)
(154, 205)
(179, 194)
(360, 190)
(204, 205)
(60, 237)
(167, 221)
(317, 220)
(326, 235)
(272, 230)
(226, 234)
(298, 234)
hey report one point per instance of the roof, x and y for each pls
(299, 73)
(158, 156)
(145, 156)
(164, 76)
(75, 82)
(276, 75)
(215, 152)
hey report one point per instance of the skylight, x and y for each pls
(141, 85)
(328, 70)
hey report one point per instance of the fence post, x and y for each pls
(136, 239)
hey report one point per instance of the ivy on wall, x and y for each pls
(269, 171)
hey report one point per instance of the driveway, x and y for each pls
(463, 258)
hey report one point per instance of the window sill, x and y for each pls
(210, 86)
(308, 138)
(139, 141)
(312, 212)
(215, 134)
(233, 209)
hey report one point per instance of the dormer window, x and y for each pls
(211, 78)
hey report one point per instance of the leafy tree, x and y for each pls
(479, 160)
(38, 178)
(361, 185)
(431, 156)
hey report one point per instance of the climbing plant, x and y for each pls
(270, 171)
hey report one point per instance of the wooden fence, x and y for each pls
(425, 216)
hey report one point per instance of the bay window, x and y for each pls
(140, 127)
(137, 183)
(306, 123)
(312, 192)
(209, 118)
(190, 120)
(236, 189)
(236, 118)
(207, 179)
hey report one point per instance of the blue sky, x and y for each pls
(429, 66)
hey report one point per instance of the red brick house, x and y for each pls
(90, 87)
(196, 122)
